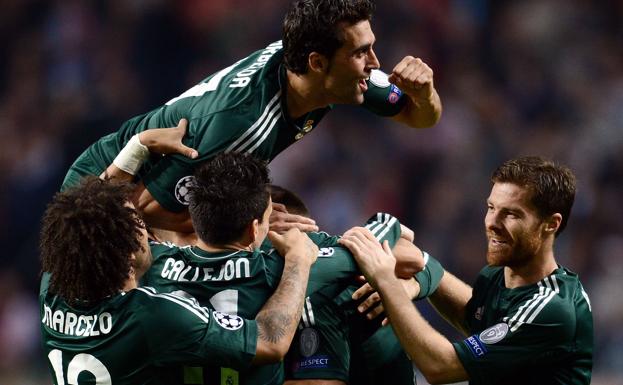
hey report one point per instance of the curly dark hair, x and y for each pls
(314, 26)
(229, 192)
(552, 185)
(88, 235)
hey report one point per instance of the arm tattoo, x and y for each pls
(282, 312)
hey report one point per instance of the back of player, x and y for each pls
(233, 282)
(131, 338)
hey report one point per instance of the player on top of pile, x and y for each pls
(269, 100)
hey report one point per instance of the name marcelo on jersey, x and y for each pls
(178, 270)
(77, 325)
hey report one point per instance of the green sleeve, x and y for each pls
(382, 97)
(384, 227)
(185, 332)
(429, 277)
(501, 353)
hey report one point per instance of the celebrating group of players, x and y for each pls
(202, 272)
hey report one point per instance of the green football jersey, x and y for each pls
(239, 283)
(139, 337)
(534, 334)
(241, 108)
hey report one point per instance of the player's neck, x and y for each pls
(539, 267)
(213, 248)
(303, 95)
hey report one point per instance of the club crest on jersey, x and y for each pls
(495, 333)
(309, 342)
(182, 188)
(326, 252)
(227, 321)
(394, 94)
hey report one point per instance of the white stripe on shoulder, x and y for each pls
(389, 225)
(266, 131)
(254, 126)
(546, 295)
(375, 226)
(198, 311)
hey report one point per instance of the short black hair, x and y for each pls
(314, 26)
(552, 185)
(229, 192)
(87, 237)
(293, 203)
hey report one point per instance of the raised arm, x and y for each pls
(278, 319)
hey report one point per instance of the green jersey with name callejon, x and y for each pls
(534, 334)
(240, 282)
(241, 108)
(138, 337)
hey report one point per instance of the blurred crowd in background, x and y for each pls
(531, 77)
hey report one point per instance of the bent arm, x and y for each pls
(420, 113)
(278, 319)
(430, 351)
(157, 216)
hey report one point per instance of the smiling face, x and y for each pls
(515, 232)
(351, 64)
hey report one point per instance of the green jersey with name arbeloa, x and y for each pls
(241, 108)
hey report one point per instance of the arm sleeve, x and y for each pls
(185, 332)
(502, 352)
(430, 277)
(382, 97)
(385, 227)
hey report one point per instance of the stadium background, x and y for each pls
(530, 77)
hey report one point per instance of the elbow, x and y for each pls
(268, 353)
(434, 376)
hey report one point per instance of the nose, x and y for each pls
(491, 220)
(373, 61)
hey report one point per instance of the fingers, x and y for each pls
(362, 291)
(182, 125)
(188, 152)
(369, 302)
(412, 75)
(280, 220)
(279, 207)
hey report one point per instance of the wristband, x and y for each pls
(132, 156)
(430, 277)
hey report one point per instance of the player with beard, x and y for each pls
(527, 319)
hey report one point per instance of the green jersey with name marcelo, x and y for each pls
(133, 338)
(241, 108)
(535, 334)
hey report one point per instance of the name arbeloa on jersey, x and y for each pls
(77, 325)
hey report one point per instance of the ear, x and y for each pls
(254, 230)
(317, 62)
(552, 223)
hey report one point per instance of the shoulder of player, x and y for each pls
(245, 86)
(550, 304)
(156, 303)
(159, 249)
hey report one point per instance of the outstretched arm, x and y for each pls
(415, 79)
(278, 319)
(137, 150)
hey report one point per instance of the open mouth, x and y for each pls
(363, 85)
